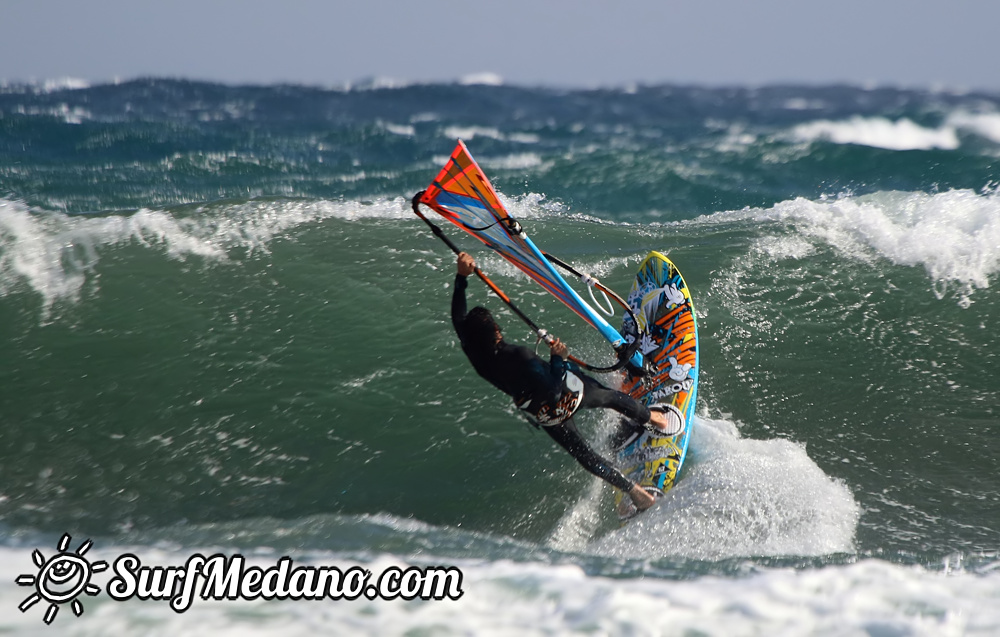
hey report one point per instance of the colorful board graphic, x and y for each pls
(668, 330)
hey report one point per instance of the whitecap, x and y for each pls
(481, 79)
(740, 497)
(985, 125)
(879, 132)
(953, 235)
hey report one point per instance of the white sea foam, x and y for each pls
(44, 86)
(515, 598)
(738, 498)
(954, 235)
(471, 132)
(399, 129)
(737, 140)
(879, 132)
(74, 115)
(209, 162)
(803, 104)
(481, 79)
(64, 84)
(377, 84)
(983, 124)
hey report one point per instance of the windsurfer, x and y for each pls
(550, 392)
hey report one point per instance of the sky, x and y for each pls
(952, 44)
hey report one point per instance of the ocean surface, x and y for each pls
(223, 331)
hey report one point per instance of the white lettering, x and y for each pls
(123, 587)
(222, 584)
(221, 578)
(184, 599)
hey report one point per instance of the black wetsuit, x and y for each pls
(529, 380)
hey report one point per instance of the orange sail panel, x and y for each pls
(463, 195)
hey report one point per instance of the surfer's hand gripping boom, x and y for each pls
(466, 264)
(559, 348)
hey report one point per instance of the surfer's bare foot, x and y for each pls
(666, 418)
(641, 498)
(659, 420)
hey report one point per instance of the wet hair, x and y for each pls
(480, 330)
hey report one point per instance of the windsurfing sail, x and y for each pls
(463, 195)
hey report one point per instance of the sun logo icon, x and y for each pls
(61, 578)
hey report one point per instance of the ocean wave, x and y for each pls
(903, 133)
(404, 130)
(471, 132)
(381, 83)
(56, 255)
(63, 112)
(40, 87)
(879, 132)
(954, 235)
(986, 125)
(481, 79)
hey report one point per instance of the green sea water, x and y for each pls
(220, 325)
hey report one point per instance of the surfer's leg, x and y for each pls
(626, 431)
(597, 395)
(569, 438)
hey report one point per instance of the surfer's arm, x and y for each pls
(459, 308)
(557, 361)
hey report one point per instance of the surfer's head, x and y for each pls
(481, 331)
